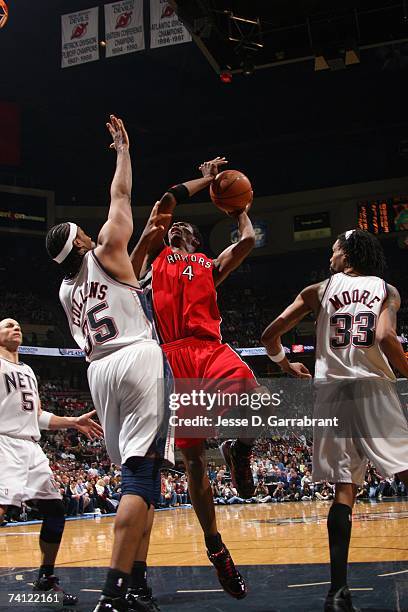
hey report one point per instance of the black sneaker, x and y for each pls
(141, 600)
(51, 584)
(340, 601)
(108, 604)
(230, 579)
(240, 467)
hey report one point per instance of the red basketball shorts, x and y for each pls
(192, 358)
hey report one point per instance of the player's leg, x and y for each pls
(131, 383)
(41, 489)
(200, 490)
(203, 504)
(139, 593)
(235, 376)
(339, 523)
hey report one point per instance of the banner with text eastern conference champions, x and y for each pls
(165, 27)
(124, 27)
(80, 37)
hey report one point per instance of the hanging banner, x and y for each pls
(124, 32)
(165, 27)
(79, 37)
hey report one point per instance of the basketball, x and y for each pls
(231, 191)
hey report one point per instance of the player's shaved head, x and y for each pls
(10, 334)
(8, 321)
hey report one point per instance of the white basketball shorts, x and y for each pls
(126, 391)
(25, 472)
(373, 427)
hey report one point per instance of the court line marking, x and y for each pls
(363, 589)
(394, 573)
(92, 590)
(203, 591)
(294, 586)
(16, 533)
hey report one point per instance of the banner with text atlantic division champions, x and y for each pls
(80, 37)
(165, 27)
(124, 30)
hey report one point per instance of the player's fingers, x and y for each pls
(112, 146)
(91, 414)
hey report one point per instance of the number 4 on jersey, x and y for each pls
(188, 271)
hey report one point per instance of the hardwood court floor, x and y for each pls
(255, 534)
(281, 550)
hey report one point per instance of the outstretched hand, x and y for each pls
(87, 426)
(238, 212)
(298, 370)
(119, 135)
(157, 224)
(211, 168)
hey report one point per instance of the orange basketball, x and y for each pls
(231, 191)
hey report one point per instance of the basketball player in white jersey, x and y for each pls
(110, 320)
(25, 472)
(356, 314)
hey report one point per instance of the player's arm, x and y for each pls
(151, 243)
(116, 232)
(307, 301)
(84, 423)
(233, 256)
(386, 331)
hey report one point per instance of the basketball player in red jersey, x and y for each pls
(184, 283)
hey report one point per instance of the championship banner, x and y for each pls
(124, 31)
(79, 37)
(165, 27)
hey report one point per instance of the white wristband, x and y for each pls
(279, 356)
(44, 419)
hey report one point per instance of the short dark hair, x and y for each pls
(364, 252)
(197, 235)
(54, 243)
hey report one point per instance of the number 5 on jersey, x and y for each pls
(104, 328)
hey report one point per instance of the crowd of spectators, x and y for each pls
(281, 468)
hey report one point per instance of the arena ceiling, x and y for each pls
(243, 36)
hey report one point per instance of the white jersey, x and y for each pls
(19, 401)
(346, 329)
(104, 315)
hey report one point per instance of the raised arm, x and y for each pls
(386, 331)
(307, 301)
(115, 234)
(233, 256)
(151, 242)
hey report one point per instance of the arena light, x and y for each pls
(3, 13)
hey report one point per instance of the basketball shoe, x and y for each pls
(230, 579)
(237, 457)
(50, 584)
(110, 604)
(340, 601)
(141, 600)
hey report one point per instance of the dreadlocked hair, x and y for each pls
(54, 243)
(364, 252)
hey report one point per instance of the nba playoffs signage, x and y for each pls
(165, 27)
(124, 31)
(79, 37)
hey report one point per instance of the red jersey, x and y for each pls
(184, 296)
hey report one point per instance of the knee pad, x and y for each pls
(139, 477)
(54, 520)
